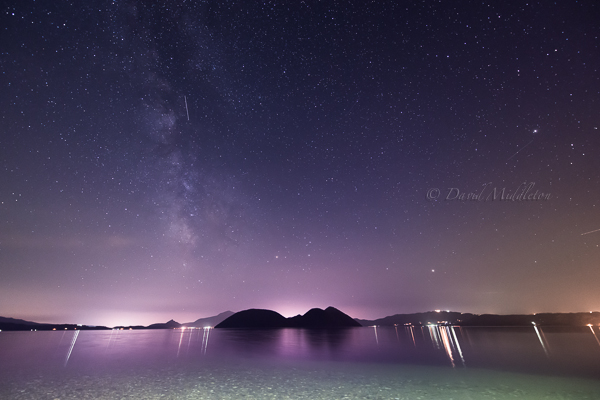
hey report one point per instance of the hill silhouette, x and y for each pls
(171, 324)
(468, 319)
(254, 318)
(210, 321)
(315, 319)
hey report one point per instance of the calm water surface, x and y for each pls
(361, 363)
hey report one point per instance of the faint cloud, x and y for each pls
(120, 241)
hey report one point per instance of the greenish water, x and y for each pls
(360, 363)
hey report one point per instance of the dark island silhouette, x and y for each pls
(330, 318)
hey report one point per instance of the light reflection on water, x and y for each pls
(431, 345)
(75, 335)
(544, 347)
(568, 352)
(594, 333)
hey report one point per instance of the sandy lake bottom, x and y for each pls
(312, 380)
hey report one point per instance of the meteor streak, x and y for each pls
(519, 150)
(186, 107)
(590, 232)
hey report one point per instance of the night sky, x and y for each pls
(183, 158)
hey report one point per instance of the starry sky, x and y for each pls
(177, 159)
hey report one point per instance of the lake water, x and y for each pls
(358, 363)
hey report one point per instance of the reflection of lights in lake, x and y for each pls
(446, 341)
(445, 336)
(180, 340)
(110, 338)
(205, 339)
(458, 346)
(376, 338)
(540, 338)
(72, 345)
(190, 338)
(433, 332)
(595, 337)
(412, 334)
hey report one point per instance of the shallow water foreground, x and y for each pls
(297, 364)
(319, 381)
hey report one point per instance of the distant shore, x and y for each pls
(416, 319)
